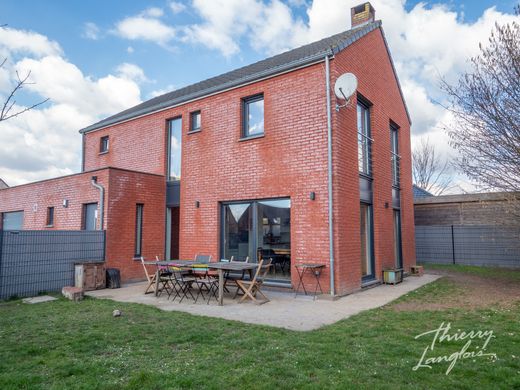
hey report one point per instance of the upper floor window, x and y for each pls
(195, 121)
(394, 142)
(12, 220)
(174, 148)
(50, 216)
(364, 140)
(253, 116)
(104, 144)
(89, 220)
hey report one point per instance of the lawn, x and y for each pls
(66, 345)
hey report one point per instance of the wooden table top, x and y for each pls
(232, 266)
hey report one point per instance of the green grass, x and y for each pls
(493, 272)
(67, 345)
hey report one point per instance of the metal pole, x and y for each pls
(329, 174)
(452, 245)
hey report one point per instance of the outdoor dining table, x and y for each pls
(222, 266)
(170, 263)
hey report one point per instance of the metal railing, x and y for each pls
(33, 261)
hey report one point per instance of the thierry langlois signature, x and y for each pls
(472, 348)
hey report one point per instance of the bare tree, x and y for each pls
(486, 106)
(430, 171)
(9, 103)
(7, 106)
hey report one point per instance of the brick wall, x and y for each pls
(123, 190)
(368, 60)
(34, 198)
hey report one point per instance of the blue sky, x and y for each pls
(94, 58)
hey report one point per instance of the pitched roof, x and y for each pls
(302, 56)
(418, 192)
(3, 184)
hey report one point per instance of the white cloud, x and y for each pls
(22, 41)
(161, 91)
(90, 31)
(130, 50)
(145, 27)
(44, 142)
(153, 12)
(131, 72)
(177, 7)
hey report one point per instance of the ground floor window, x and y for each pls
(397, 239)
(138, 229)
(12, 220)
(258, 229)
(367, 252)
(89, 216)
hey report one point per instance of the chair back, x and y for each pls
(230, 260)
(203, 259)
(265, 269)
(148, 275)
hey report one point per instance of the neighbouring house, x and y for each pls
(254, 162)
(3, 184)
(419, 192)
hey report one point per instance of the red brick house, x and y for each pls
(253, 162)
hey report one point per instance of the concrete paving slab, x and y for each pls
(300, 313)
(39, 299)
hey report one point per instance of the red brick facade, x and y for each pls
(290, 160)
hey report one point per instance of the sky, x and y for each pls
(95, 58)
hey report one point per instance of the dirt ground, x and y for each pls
(467, 291)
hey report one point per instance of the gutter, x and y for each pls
(329, 174)
(101, 189)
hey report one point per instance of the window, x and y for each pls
(138, 229)
(12, 220)
(89, 216)
(195, 121)
(364, 140)
(397, 239)
(394, 141)
(367, 257)
(103, 144)
(50, 216)
(174, 148)
(253, 116)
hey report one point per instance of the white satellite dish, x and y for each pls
(344, 88)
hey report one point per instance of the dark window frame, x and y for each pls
(366, 105)
(169, 121)
(50, 216)
(84, 215)
(192, 115)
(138, 238)
(370, 209)
(395, 156)
(246, 101)
(104, 144)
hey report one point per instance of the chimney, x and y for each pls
(362, 14)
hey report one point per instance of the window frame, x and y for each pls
(395, 156)
(169, 151)
(370, 244)
(50, 216)
(246, 101)
(102, 144)
(3, 215)
(192, 115)
(365, 135)
(138, 232)
(84, 216)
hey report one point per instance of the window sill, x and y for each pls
(365, 176)
(137, 258)
(100, 153)
(48, 226)
(251, 137)
(194, 131)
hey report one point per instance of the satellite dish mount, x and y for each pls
(344, 88)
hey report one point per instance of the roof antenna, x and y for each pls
(344, 88)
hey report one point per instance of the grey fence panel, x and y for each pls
(433, 244)
(35, 261)
(480, 245)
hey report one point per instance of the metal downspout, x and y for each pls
(329, 174)
(101, 200)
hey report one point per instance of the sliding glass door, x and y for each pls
(258, 229)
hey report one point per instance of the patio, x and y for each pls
(300, 313)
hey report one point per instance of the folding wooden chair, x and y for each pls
(181, 284)
(150, 277)
(253, 287)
